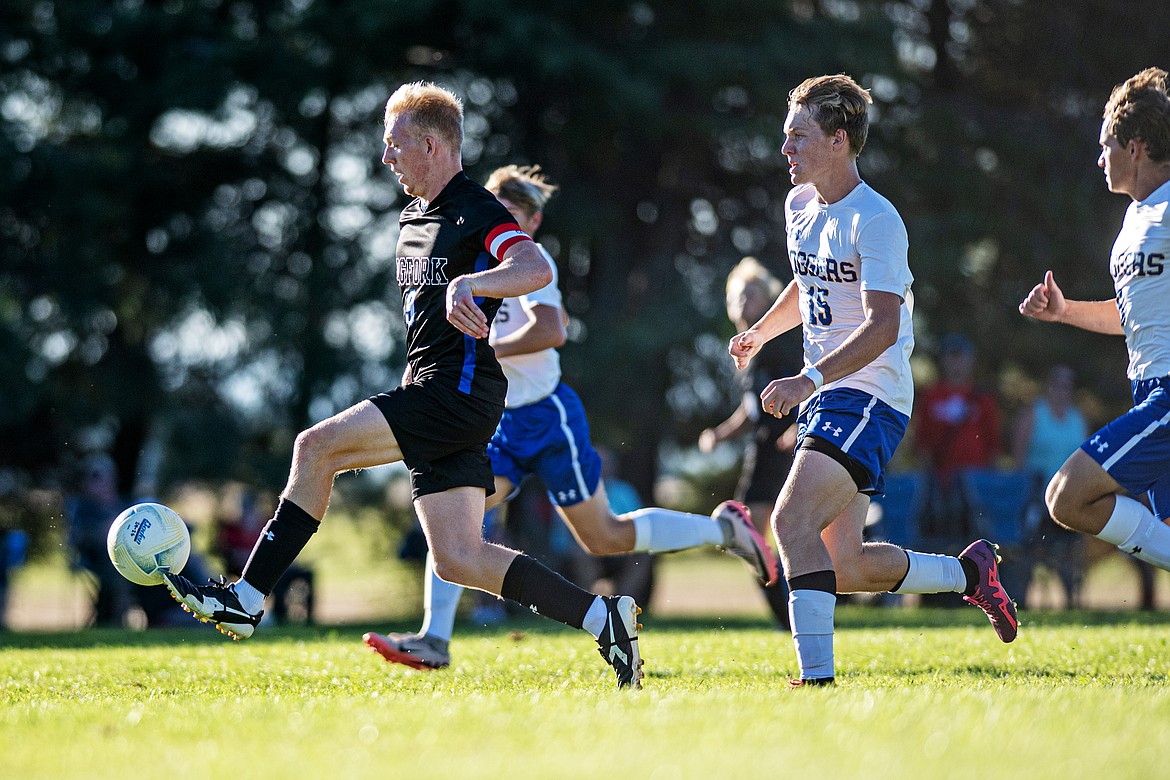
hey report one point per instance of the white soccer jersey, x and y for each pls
(533, 376)
(837, 251)
(1138, 265)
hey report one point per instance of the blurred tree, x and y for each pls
(663, 123)
(197, 239)
(190, 221)
(995, 142)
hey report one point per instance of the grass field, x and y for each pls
(923, 693)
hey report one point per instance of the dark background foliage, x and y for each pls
(196, 236)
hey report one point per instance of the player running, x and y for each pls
(459, 254)
(1129, 456)
(847, 247)
(544, 431)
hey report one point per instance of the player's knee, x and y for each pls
(312, 447)
(787, 522)
(456, 567)
(1062, 502)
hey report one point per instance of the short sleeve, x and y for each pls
(883, 247)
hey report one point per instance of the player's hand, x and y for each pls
(1046, 301)
(462, 310)
(743, 346)
(781, 396)
(708, 440)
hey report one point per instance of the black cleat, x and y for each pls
(215, 602)
(618, 643)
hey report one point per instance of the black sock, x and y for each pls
(279, 544)
(972, 572)
(545, 592)
(825, 581)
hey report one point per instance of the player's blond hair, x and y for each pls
(837, 103)
(749, 271)
(1139, 108)
(524, 185)
(431, 109)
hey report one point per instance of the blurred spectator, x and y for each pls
(750, 291)
(1046, 433)
(242, 518)
(88, 515)
(631, 574)
(13, 548)
(957, 426)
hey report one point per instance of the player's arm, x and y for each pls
(1046, 302)
(783, 316)
(545, 329)
(522, 270)
(877, 333)
(738, 423)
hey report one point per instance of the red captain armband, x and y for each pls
(504, 237)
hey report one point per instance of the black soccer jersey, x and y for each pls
(462, 231)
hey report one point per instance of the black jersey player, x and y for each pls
(459, 253)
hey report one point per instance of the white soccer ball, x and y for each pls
(147, 540)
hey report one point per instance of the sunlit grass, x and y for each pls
(923, 693)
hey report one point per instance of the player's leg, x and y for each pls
(429, 648)
(874, 567)
(355, 438)
(1083, 496)
(571, 470)
(1128, 455)
(452, 521)
(817, 491)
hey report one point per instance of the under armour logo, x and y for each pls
(270, 536)
(829, 427)
(1100, 445)
(459, 221)
(564, 496)
(1135, 551)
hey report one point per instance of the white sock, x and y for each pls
(1136, 531)
(663, 530)
(250, 599)
(594, 621)
(811, 615)
(440, 600)
(930, 573)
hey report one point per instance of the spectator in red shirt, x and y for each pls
(957, 427)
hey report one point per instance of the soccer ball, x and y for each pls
(147, 540)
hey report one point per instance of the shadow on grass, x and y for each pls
(847, 617)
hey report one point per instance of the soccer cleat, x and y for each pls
(618, 643)
(811, 682)
(741, 539)
(989, 594)
(216, 603)
(418, 651)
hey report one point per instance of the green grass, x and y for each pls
(923, 693)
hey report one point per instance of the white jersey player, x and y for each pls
(544, 431)
(851, 294)
(1129, 456)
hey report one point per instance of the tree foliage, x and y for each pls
(197, 237)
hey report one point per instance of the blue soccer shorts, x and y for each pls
(854, 428)
(1134, 449)
(549, 438)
